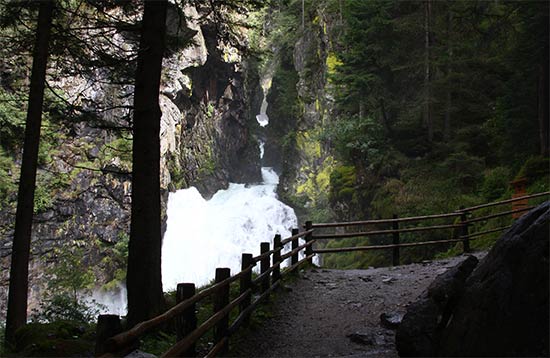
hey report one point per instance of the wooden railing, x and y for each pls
(461, 229)
(111, 343)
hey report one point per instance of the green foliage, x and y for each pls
(495, 183)
(115, 261)
(342, 183)
(357, 139)
(534, 168)
(69, 278)
(43, 199)
(7, 180)
(12, 121)
(120, 148)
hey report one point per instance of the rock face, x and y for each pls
(419, 331)
(503, 309)
(207, 141)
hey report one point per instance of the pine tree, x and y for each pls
(143, 279)
(18, 290)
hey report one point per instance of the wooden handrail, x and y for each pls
(290, 253)
(126, 339)
(113, 344)
(381, 247)
(291, 268)
(259, 278)
(385, 221)
(475, 234)
(242, 316)
(472, 208)
(302, 234)
(504, 213)
(185, 343)
(266, 254)
(382, 232)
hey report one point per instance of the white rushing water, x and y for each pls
(202, 235)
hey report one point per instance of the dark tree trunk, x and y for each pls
(427, 70)
(448, 70)
(19, 280)
(144, 253)
(543, 109)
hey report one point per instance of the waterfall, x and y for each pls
(202, 235)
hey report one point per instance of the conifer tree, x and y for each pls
(18, 290)
(143, 279)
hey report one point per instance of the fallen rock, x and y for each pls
(391, 320)
(421, 326)
(499, 310)
(361, 338)
(505, 310)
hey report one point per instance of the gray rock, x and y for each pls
(391, 320)
(421, 327)
(139, 354)
(504, 309)
(500, 310)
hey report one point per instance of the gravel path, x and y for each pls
(336, 313)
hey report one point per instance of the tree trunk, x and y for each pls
(19, 280)
(144, 252)
(543, 109)
(427, 70)
(449, 98)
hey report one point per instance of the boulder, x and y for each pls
(420, 329)
(504, 309)
(500, 309)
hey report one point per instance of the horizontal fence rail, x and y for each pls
(252, 292)
(184, 312)
(460, 230)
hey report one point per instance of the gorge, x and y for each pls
(354, 129)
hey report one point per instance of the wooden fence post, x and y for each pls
(294, 258)
(395, 226)
(309, 249)
(277, 258)
(464, 230)
(264, 266)
(187, 322)
(221, 299)
(246, 281)
(108, 325)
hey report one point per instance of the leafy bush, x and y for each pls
(69, 278)
(7, 182)
(534, 168)
(495, 183)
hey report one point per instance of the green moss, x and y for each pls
(332, 63)
(342, 183)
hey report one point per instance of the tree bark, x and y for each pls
(427, 70)
(144, 283)
(19, 271)
(448, 70)
(543, 109)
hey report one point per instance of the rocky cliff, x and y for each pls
(299, 106)
(209, 99)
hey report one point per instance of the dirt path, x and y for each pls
(336, 313)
